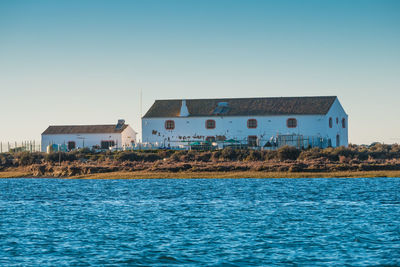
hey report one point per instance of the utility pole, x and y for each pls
(141, 102)
(141, 113)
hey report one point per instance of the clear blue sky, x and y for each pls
(84, 62)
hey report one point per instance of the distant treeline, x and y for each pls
(377, 151)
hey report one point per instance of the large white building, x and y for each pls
(71, 137)
(257, 122)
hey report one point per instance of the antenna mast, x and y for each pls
(141, 95)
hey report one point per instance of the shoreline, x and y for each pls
(209, 175)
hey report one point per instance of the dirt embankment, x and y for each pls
(377, 157)
(71, 169)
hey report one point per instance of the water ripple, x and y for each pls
(229, 222)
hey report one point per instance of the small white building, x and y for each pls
(71, 137)
(257, 122)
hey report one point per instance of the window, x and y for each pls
(330, 122)
(107, 144)
(344, 123)
(169, 125)
(252, 140)
(71, 145)
(252, 123)
(291, 123)
(337, 120)
(210, 124)
(210, 139)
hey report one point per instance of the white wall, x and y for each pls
(235, 127)
(337, 111)
(89, 140)
(128, 136)
(232, 127)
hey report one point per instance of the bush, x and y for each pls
(243, 154)
(344, 151)
(176, 156)
(270, 154)
(255, 155)
(189, 156)
(204, 156)
(150, 157)
(55, 157)
(313, 153)
(288, 152)
(228, 154)
(6, 160)
(27, 158)
(134, 156)
(127, 156)
(165, 153)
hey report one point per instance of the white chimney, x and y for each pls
(184, 109)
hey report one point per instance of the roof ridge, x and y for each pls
(246, 98)
(84, 129)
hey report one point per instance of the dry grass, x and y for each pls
(245, 174)
(14, 174)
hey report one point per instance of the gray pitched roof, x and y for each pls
(83, 129)
(243, 106)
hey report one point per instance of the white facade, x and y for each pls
(123, 140)
(191, 128)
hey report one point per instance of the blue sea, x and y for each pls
(190, 222)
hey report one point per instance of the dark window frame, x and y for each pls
(249, 121)
(212, 126)
(343, 123)
(330, 122)
(169, 125)
(290, 125)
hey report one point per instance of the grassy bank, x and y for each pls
(215, 175)
(376, 160)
